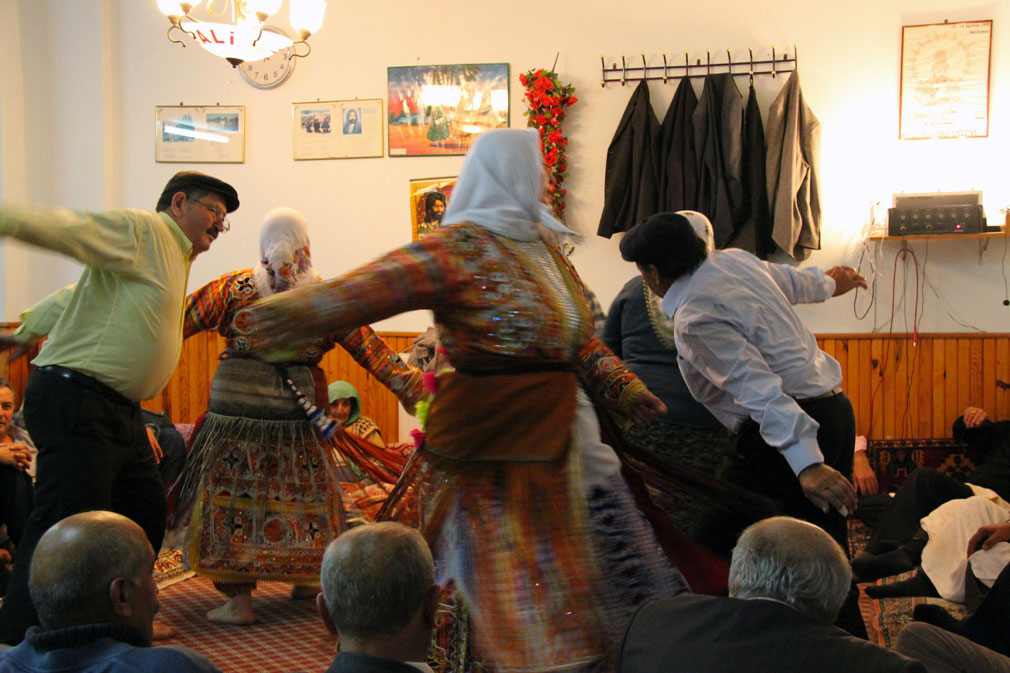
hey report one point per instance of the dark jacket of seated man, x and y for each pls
(91, 582)
(774, 622)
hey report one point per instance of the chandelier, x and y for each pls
(243, 38)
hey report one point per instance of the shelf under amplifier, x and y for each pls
(936, 213)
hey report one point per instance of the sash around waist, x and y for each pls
(502, 417)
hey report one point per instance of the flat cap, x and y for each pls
(184, 181)
(657, 238)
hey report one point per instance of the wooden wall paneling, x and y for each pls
(988, 392)
(891, 351)
(924, 392)
(975, 395)
(900, 390)
(950, 401)
(939, 387)
(1002, 378)
(864, 377)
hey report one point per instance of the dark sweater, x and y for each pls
(99, 648)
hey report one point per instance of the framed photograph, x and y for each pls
(429, 197)
(945, 80)
(199, 134)
(337, 129)
(441, 109)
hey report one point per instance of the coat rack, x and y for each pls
(625, 73)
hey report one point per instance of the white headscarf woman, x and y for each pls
(501, 184)
(285, 260)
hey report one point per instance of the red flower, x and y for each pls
(550, 159)
(572, 100)
(522, 79)
(540, 120)
(554, 136)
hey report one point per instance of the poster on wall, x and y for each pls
(337, 129)
(441, 109)
(429, 197)
(945, 80)
(199, 134)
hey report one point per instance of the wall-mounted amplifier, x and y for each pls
(936, 213)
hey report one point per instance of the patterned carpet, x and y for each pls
(886, 617)
(287, 636)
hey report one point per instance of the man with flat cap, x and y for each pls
(746, 355)
(114, 339)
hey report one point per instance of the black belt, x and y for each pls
(834, 392)
(88, 382)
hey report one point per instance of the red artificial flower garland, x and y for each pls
(548, 98)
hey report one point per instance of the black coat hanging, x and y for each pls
(631, 188)
(678, 177)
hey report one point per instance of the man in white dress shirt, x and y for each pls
(748, 358)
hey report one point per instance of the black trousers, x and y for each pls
(923, 491)
(761, 468)
(93, 455)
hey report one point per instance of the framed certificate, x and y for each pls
(337, 129)
(199, 134)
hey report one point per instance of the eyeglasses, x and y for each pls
(219, 216)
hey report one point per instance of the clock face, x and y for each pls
(268, 72)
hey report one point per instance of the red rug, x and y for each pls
(287, 636)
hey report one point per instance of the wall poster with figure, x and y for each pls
(441, 109)
(429, 197)
(199, 134)
(945, 80)
(337, 129)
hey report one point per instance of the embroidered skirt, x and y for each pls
(263, 493)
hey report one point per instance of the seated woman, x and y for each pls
(345, 408)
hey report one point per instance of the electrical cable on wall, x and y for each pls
(865, 254)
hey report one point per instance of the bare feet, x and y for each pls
(162, 631)
(302, 591)
(238, 610)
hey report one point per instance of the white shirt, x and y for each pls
(744, 352)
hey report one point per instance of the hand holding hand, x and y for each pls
(846, 278)
(646, 408)
(987, 537)
(16, 455)
(826, 488)
(974, 417)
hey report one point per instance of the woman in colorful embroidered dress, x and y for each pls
(533, 526)
(264, 492)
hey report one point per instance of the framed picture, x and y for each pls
(429, 197)
(199, 134)
(945, 80)
(337, 129)
(441, 109)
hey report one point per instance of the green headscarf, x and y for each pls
(342, 390)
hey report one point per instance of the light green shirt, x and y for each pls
(122, 322)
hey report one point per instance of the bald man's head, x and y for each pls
(792, 561)
(92, 568)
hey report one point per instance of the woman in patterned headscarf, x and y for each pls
(264, 492)
(525, 508)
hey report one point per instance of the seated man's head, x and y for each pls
(94, 568)
(379, 592)
(791, 561)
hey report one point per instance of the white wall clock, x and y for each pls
(271, 71)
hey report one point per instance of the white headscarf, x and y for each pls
(702, 227)
(285, 260)
(500, 185)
